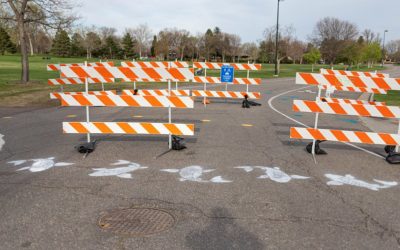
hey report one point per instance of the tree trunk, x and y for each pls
(24, 52)
(30, 44)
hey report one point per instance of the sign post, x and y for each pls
(227, 75)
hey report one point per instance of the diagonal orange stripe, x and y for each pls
(340, 136)
(79, 127)
(364, 138)
(104, 129)
(150, 128)
(126, 128)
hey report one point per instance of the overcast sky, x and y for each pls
(247, 18)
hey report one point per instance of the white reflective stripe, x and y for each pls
(329, 136)
(351, 136)
(70, 100)
(68, 128)
(139, 128)
(301, 106)
(184, 129)
(115, 127)
(189, 103)
(299, 79)
(91, 127)
(348, 108)
(376, 138)
(161, 128)
(304, 133)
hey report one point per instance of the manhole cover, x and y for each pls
(137, 221)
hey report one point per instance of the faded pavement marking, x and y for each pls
(195, 173)
(274, 174)
(339, 180)
(39, 165)
(2, 141)
(121, 172)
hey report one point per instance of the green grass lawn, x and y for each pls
(10, 74)
(392, 98)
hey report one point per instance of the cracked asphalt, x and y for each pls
(59, 208)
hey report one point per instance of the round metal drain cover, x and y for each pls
(137, 221)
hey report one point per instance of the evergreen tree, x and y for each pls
(128, 45)
(61, 44)
(77, 45)
(111, 48)
(5, 43)
(153, 46)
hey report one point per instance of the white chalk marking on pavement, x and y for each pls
(304, 125)
(274, 174)
(195, 173)
(248, 169)
(121, 172)
(7, 117)
(39, 165)
(2, 141)
(339, 180)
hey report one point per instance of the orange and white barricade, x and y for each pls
(348, 81)
(354, 89)
(352, 73)
(157, 92)
(225, 94)
(217, 80)
(153, 64)
(128, 128)
(77, 80)
(345, 136)
(127, 99)
(128, 73)
(350, 101)
(63, 80)
(57, 95)
(345, 81)
(57, 67)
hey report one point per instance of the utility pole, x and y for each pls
(277, 40)
(383, 47)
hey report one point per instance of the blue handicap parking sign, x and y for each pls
(227, 74)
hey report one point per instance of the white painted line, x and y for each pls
(2, 141)
(304, 125)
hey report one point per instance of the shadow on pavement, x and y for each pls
(222, 233)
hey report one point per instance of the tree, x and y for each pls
(5, 42)
(128, 45)
(142, 35)
(296, 50)
(92, 43)
(111, 47)
(251, 51)
(153, 46)
(61, 44)
(77, 45)
(313, 56)
(372, 53)
(50, 13)
(331, 34)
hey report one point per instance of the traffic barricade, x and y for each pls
(105, 99)
(217, 80)
(347, 107)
